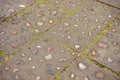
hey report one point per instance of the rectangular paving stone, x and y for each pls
(15, 33)
(67, 5)
(80, 28)
(107, 49)
(8, 7)
(43, 16)
(42, 59)
(84, 70)
(115, 3)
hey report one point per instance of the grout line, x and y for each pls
(107, 4)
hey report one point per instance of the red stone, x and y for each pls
(103, 45)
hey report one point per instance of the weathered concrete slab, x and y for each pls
(67, 5)
(43, 16)
(14, 34)
(42, 59)
(84, 70)
(8, 7)
(79, 29)
(107, 49)
(115, 3)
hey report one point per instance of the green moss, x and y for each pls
(3, 53)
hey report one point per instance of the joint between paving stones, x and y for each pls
(107, 4)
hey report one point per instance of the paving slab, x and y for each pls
(84, 70)
(15, 33)
(8, 7)
(115, 3)
(40, 60)
(43, 16)
(79, 29)
(107, 49)
(67, 5)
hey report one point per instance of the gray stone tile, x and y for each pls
(43, 16)
(8, 7)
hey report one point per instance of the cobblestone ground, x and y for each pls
(59, 40)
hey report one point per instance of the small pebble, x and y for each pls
(99, 27)
(36, 30)
(50, 48)
(109, 16)
(40, 23)
(29, 59)
(6, 68)
(38, 78)
(89, 33)
(62, 60)
(77, 46)
(113, 30)
(96, 20)
(53, 13)
(73, 54)
(62, 51)
(15, 70)
(58, 68)
(86, 78)
(72, 75)
(50, 72)
(82, 66)
(22, 6)
(28, 24)
(102, 45)
(38, 46)
(100, 75)
(14, 32)
(48, 57)
(14, 45)
(2, 32)
(93, 52)
(23, 55)
(50, 21)
(66, 24)
(16, 77)
(11, 10)
(33, 67)
(34, 52)
(69, 37)
(109, 59)
(40, 15)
